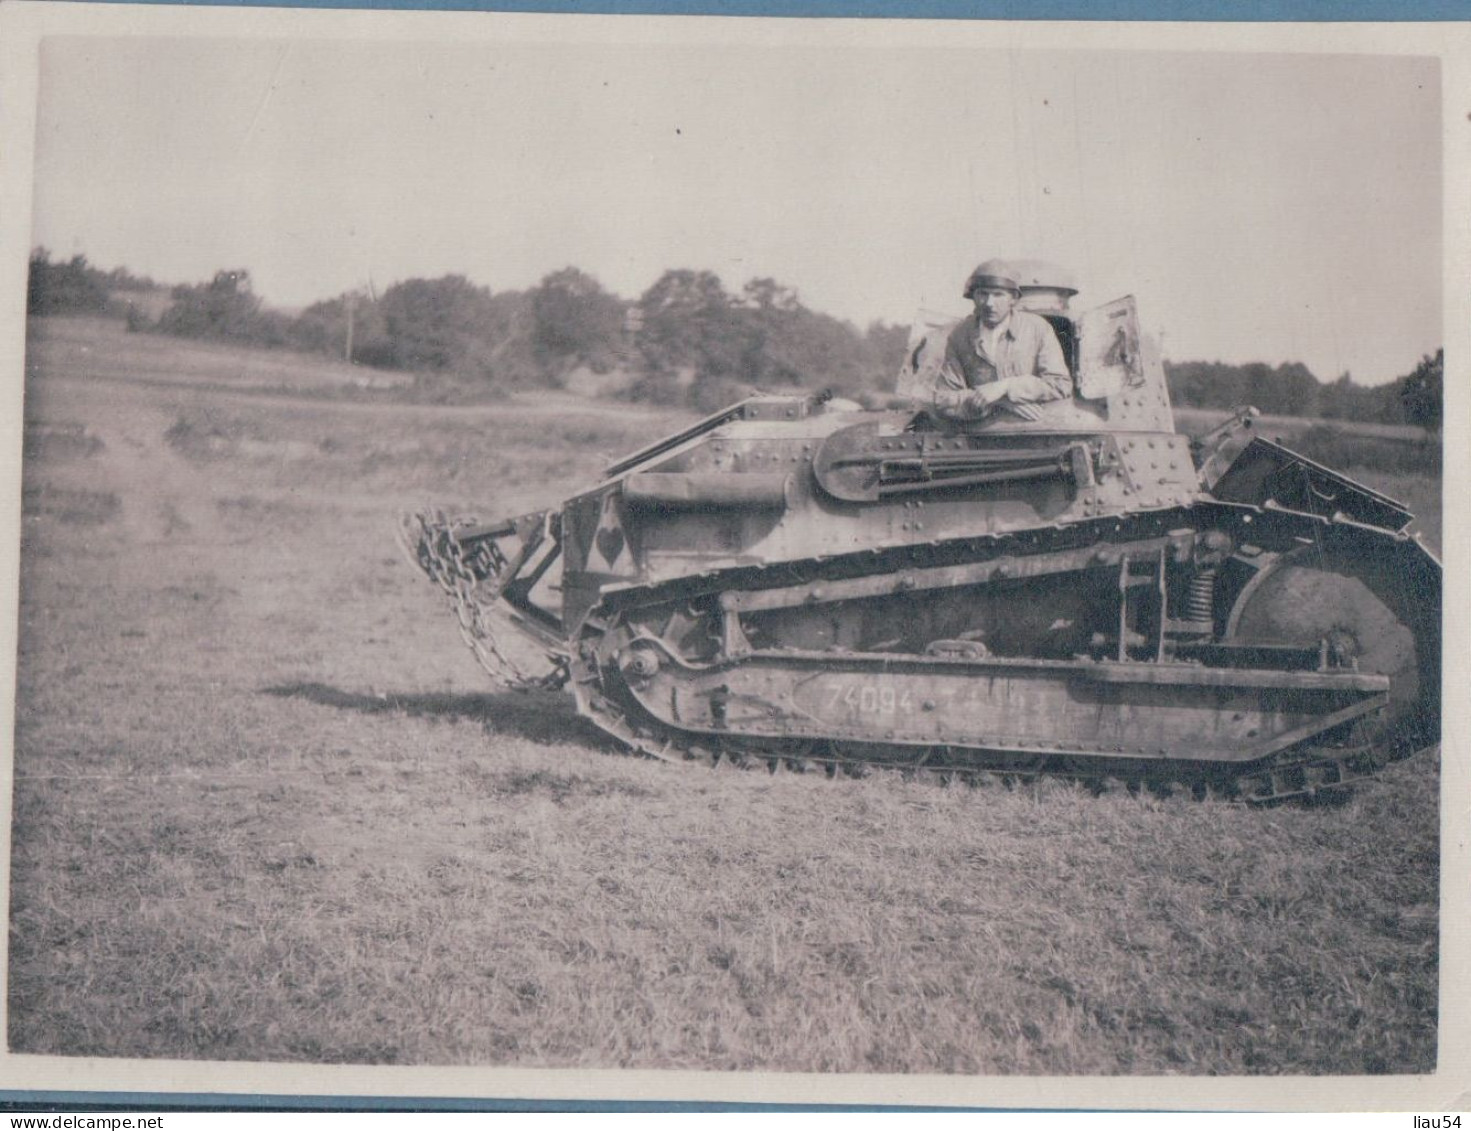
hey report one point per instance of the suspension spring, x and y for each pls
(1200, 600)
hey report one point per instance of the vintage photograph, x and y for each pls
(689, 545)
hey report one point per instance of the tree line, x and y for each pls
(75, 286)
(684, 340)
(1292, 390)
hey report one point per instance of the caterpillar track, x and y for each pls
(798, 584)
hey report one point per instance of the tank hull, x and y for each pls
(840, 590)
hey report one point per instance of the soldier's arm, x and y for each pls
(951, 397)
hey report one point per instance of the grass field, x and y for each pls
(265, 807)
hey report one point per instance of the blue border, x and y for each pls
(1312, 11)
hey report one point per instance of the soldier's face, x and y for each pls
(993, 305)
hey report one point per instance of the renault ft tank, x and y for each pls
(799, 583)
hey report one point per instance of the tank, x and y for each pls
(798, 583)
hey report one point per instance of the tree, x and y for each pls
(226, 308)
(887, 341)
(694, 334)
(576, 321)
(73, 287)
(1297, 390)
(690, 323)
(1422, 393)
(121, 279)
(437, 324)
(767, 294)
(329, 326)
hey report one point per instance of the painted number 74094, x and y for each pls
(870, 699)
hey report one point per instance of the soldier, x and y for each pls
(999, 357)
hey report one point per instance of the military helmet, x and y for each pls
(1046, 287)
(1043, 275)
(994, 274)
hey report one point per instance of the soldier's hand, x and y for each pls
(978, 403)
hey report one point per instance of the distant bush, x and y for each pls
(121, 279)
(1422, 392)
(72, 287)
(687, 322)
(662, 389)
(576, 322)
(322, 328)
(206, 432)
(1292, 390)
(1287, 390)
(688, 325)
(435, 324)
(224, 309)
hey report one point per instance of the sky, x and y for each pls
(1261, 207)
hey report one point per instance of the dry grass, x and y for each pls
(96, 346)
(1198, 420)
(266, 809)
